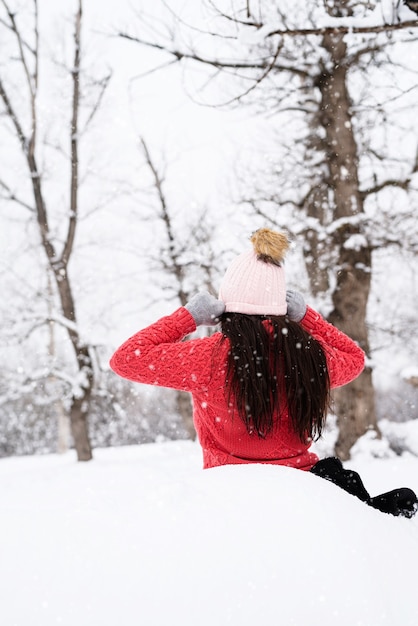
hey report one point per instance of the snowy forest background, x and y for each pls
(142, 144)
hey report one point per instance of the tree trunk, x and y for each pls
(354, 403)
(80, 402)
(58, 263)
(63, 423)
(78, 416)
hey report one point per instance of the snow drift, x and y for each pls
(143, 536)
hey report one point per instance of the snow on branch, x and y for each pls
(78, 382)
(64, 322)
(386, 17)
(314, 224)
(344, 222)
(339, 25)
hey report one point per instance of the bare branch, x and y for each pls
(30, 80)
(13, 198)
(345, 30)
(191, 27)
(259, 79)
(415, 168)
(268, 64)
(103, 84)
(28, 145)
(20, 42)
(14, 118)
(265, 64)
(327, 30)
(179, 56)
(154, 69)
(233, 18)
(401, 184)
(75, 74)
(174, 266)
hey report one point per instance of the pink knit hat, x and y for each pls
(254, 283)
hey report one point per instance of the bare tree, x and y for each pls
(24, 125)
(302, 57)
(176, 260)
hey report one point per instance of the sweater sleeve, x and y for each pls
(345, 359)
(157, 356)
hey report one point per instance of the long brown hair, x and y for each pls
(269, 356)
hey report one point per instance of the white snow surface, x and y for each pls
(143, 535)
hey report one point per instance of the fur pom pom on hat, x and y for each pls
(254, 283)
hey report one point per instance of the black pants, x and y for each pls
(401, 501)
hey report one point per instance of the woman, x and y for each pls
(260, 387)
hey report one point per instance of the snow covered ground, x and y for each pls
(143, 536)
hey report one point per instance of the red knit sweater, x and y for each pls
(157, 356)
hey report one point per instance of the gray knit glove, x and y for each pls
(296, 307)
(205, 309)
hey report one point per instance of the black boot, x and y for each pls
(332, 469)
(401, 501)
(397, 502)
